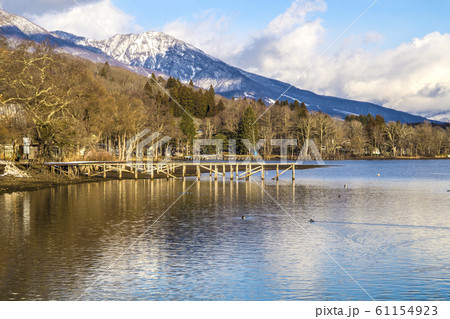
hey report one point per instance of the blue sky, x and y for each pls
(398, 20)
(396, 55)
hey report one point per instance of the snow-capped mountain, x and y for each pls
(166, 54)
(18, 28)
(14, 26)
(439, 117)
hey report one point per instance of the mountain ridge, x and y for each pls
(160, 53)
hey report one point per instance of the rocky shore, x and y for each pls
(15, 179)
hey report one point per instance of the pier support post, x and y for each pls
(183, 174)
(263, 172)
(224, 170)
(152, 174)
(210, 170)
(215, 172)
(120, 171)
(293, 172)
(231, 172)
(136, 172)
(198, 172)
(278, 169)
(104, 170)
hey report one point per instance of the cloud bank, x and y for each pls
(412, 77)
(38, 7)
(109, 20)
(208, 31)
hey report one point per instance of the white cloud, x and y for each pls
(288, 45)
(295, 16)
(209, 32)
(412, 77)
(38, 7)
(79, 21)
(373, 37)
(285, 45)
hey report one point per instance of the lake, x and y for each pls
(383, 237)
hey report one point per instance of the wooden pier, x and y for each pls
(174, 170)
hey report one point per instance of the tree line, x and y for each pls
(75, 109)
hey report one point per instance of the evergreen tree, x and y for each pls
(199, 104)
(187, 126)
(211, 91)
(148, 89)
(191, 83)
(186, 99)
(220, 106)
(105, 70)
(379, 120)
(303, 111)
(210, 102)
(171, 83)
(296, 106)
(248, 130)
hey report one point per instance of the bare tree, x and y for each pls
(357, 138)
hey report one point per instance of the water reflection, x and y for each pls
(55, 243)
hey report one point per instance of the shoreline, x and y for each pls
(44, 180)
(9, 185)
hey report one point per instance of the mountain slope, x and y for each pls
(158, 51)
(17, 28)
(443, 117)
(149, 51)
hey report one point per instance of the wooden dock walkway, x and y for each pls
(173, 170)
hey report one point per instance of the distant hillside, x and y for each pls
(166, 54)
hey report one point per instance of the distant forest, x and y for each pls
(74, 109)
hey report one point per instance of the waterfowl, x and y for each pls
(345, 186)
(243, 217)
(311, 220)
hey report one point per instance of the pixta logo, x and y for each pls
(146, 146)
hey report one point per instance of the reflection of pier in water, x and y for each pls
(175, 170)
(53, 237)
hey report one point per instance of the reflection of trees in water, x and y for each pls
(55, 242)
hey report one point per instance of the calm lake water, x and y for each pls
(390, 233)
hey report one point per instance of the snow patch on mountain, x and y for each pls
(168, 55)
(20, 24)
(440, 117)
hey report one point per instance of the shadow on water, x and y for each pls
(384, 225)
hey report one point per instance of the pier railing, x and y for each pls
(173, 170)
